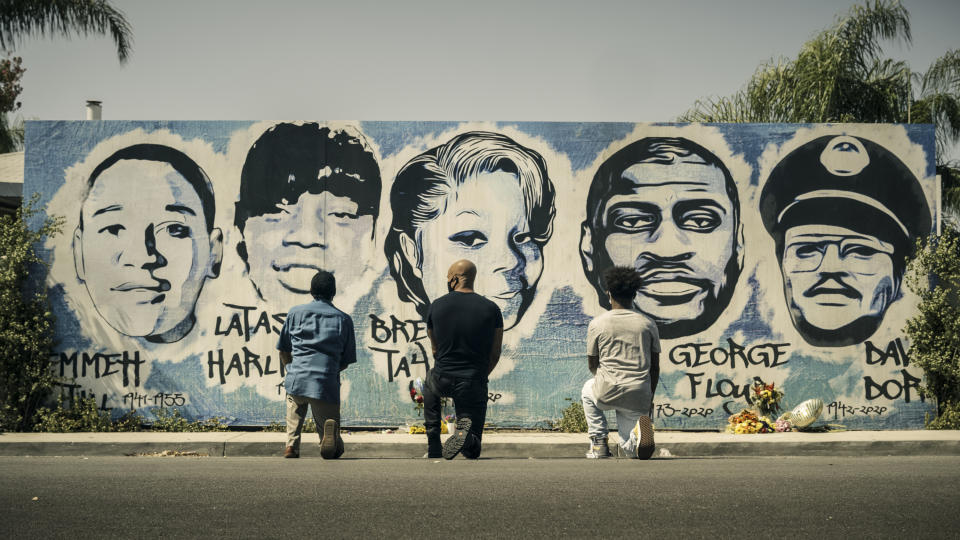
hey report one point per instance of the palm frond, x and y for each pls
(20, 19)
(943, 74)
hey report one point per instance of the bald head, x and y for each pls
(461, 275)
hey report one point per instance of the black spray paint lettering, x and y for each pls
(840, 409)
(904, 387)
(893, 352)
(76, 391)
(667, 410)
(693, 355)
(381, 333)
(399, 331)
(160, 399)
(243, 363)
(403, 364)
(719, 388)
(102, 365)
(239, 322)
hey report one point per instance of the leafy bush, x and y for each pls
(935, 331)
(280, 426)
(949, 418)
(173, 420)
(83, 415)
(572, 419)
(26, 321)
(309, 426)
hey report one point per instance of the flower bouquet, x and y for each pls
(418, 429)
(782, 425)
(416, 394)
(747, 421)
(449, 423)
(765, 398)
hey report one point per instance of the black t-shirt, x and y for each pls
(463, 325)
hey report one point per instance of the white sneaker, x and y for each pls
(599, 448)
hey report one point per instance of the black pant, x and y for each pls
(469, 401)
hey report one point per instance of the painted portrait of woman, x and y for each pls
(483, 197)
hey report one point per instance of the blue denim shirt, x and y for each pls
(320, 339)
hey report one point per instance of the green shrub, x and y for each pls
(276, 426)
(572, 419)
(935, 331)
(173, 420)
(309, 426)
(949, 417)
(26, 321)
(83, 415)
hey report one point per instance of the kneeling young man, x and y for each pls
(623, 353)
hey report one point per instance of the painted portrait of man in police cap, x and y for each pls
(844, 213)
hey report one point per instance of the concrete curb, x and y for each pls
(496, 445)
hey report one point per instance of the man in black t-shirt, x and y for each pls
(466, 332)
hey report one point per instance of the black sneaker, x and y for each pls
(599, 449)
(455, 442)
(331, 447)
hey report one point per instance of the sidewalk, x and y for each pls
(499, 445)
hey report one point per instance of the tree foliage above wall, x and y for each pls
(841, 75)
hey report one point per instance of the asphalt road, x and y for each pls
(147, 497)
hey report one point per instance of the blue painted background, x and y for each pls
(544, 357)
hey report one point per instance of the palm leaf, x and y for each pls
(20, 19)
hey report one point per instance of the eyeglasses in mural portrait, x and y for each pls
(309, 198)
(482, 197)
(145, 242)
(844, 213)
(668, 207)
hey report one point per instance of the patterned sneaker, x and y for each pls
(643, 433)
(455, 442)
(331, 447)
(599, 448)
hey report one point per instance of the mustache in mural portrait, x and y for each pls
(844, 213)
(309, 199)
(145, 243)
(482, 197)
(669, 208)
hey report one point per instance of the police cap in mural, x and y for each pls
(145, 243)
(844, 213)
(669, 208)
(309, 199)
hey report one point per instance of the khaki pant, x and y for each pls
(297, 413)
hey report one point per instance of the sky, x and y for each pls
(552, 60)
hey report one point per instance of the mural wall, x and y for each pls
(768, 250)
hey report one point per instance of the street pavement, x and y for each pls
(255, 497)
(367, 444)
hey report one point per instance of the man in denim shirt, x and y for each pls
(316, 344)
